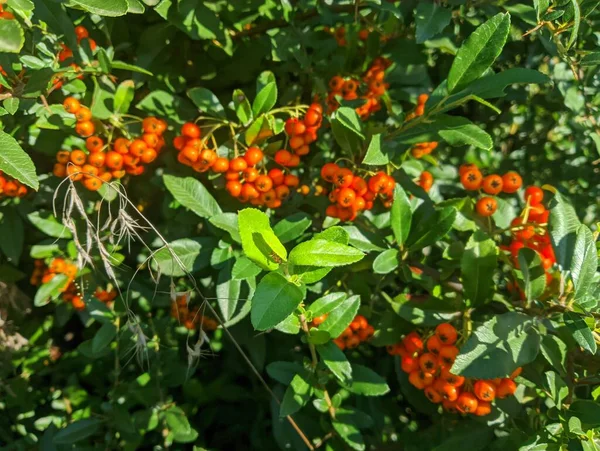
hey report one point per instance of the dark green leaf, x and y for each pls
(341, 316)
(244, 269)
(12, 235)
(296, 396)
(349, 433)
(48, 224)
(429, 312)
(292, 227)
(229, 223)
(401, 215)
(334, 358)
(13, 159)
(103, 337)
(206, 101)
(431, 229)
(431, 19)
(367, 382)
(327, 303)
(77, 431)
(478, 264)
(581, 331)
(534, 276)
(584, 263)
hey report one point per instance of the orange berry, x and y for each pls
(85, 128)
(507, 387)
(251, 174)
(83, 114)
(148, 155)
(433, 395)
(89, 170)
(451, 378)
(484, 390)
(249, 191)
(483, 408)
(234, 188)
(81, 32)
(253, 156)
(59, 170)
(434, 344)
(343, 178)
(328, 171)
(446, 333)
(466, 167)
(78, 157)
(263, 183)
(413, 343)
(94, 144)
(73, 171)
(190, 130)
(71, 105)
(151, 139)
(466, 403)
(220, 165)
(282, 192)
(238, 164)
(283, 157)
(471, 179)
(534, 195)
(113, 160)
(511, 182)
(346, 197)
(92, 183)
(428, 363)
(486, 206)
(426, 181)
(492, 184)
(121, 145)
(447, 355)
(291, 180)
(63, 156)
(409, 364)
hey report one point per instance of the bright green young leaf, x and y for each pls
(431, 18)
(401, 215)
(77, 431)
(327, 303)
(335, 359)
(364, 240)
(265, 99)
(177, 420)
(111, 8)
(290, 325)
(48, 224)
(103, 337)
(478, 52)
(386, 262)
(317, 337)
(498, 347)
(296, 396)
(243, 110)
(350, 434)
(12, 36)
(478, 264)
(366, 382)
(324, 253)
(192, 194)
(274, 300)
(292, 227)
(126, 66)
(580, 331)
(259, 242)
(341, 316)
(206, 101)
(14, 161)
(50, 291)
(124, 97)
(534, 276)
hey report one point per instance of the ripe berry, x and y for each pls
(92, 183)
(94, 144)
(483, 408)
(426, 181)
(250, 174)
(413, 343)
(190, 130)
(428, 363)
(484, 390)
(446, 333)
(282, 192)
(283, 157)
(486, 206)
(263, 183)
(312, 118)
(234, 188)
(137, 147)
(113, 160)
(71, 105)
(448, 355)
(466, 403)
(451, 378)
(220, 165)
(534, 194)
(63, 156)
(471, 179)
(78, 157)
(59, 170)
(346, 197)
(492, 184)
(466, 167)
(291, 180)
(328, 171)
(507, 387)
(277, 176)
(343, 178)
(83, 114)
(148, 156)
(85, 128)
(511, 182)
(253, 156)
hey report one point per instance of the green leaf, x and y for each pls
(11, 105)
(192, 194)
(580, 331)
(324, 253)
(103, 337)
(576, 23)
(274, 300)
(341, 316)
(228, 291)
(335, 359)
(48, 224)
(591, 59)
(563, 225)
(349, 119)
(430, 312)
(498, 347)
(317, 337)
(44, 250)
(534, 276)
(555, 351)
(401, 215)
(430, 20)
(430, 229)
(292, 227)
(587, 411)
(374, 155)
(165, 104)
(110, 8)
(259, 242)
(206, 101)
(124, 97)
(290, 325)
(364, 240)
(12, 235)
(131, 67)
(478, 264)
(77, 431)
(23, 5)
(191, 254)
(263, 79)
(350, 434)
(14, 161)
(478, 52)
(177, 421)
(326, 303)
(386, 262)
(296, 396)
(50, 291)
(12, 36)
(366, 382)
(243, 110)
(244, 269)
(284, 372)
(265, 99)
(558, 388)
(584, 263)
(467, 134)
(229, 223)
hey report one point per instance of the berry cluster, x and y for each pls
(85, 127)
(356, 333)
(43, 274)
(11, 187)
(66, 54)
(339, 34)
(373, 80)
(6, 15)
(425, 181)
(301, 133)
(191, 318)
(473, 180)
(4, 74)
(105, 296)
(428, 367)
(99, 166)
(530, 230)
(352, 194)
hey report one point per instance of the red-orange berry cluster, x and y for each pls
(66, 54)
(191, 318)
(428, 366)
(301, 133)
(339, 34)
(5, 15)
(425, 181)
(85, 127)
(374, 87)
(43, 274)
(473, 180)
(530, 230)
(356, 333)
(351, 194)
(105, 296)
(11, 187)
